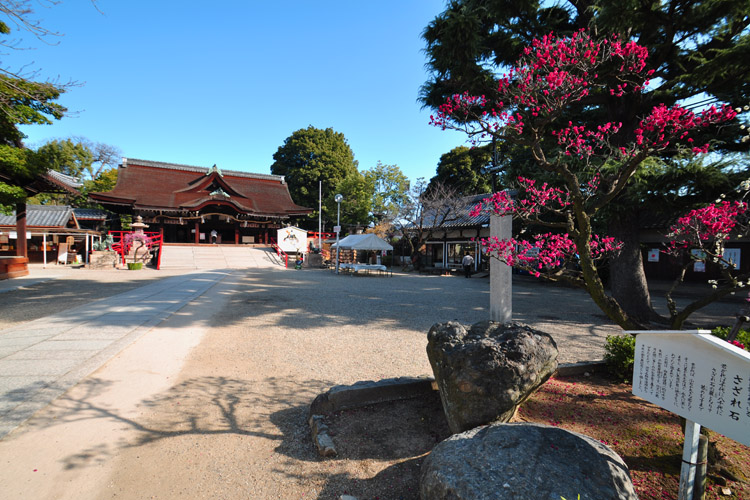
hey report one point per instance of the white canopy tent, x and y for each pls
(363, 242)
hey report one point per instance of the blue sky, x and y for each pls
(201, 83)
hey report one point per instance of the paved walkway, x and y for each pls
(41, 359)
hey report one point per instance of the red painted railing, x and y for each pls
(151, 240)
(280, 252)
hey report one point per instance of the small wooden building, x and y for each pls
(453, 236)
(50, 231)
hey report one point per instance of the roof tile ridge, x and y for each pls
(203, 170)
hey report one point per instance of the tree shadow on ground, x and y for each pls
(325, 299)
(396, 482)
(388, 442)
(390, 439)
(40, 299)
(391, 430)
(202, 406)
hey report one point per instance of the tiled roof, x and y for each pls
(201, 170)
(90, 214)
(41, 216)
(460, 217)
(64, 179)
(148, 185)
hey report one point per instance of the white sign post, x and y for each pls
(699, 377)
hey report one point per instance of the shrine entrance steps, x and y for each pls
(176, 256)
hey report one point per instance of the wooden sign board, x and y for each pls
(62, 253)
(697, 376)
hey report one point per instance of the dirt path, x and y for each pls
(234, 424)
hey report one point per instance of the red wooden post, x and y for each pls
(21, 249)
(197, 232)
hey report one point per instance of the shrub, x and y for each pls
(620, 351)
(743, 336)
(620, 356)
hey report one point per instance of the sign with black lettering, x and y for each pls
(697, 376)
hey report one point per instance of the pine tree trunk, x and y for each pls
(627, 277)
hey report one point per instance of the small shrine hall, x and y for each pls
(201, 205)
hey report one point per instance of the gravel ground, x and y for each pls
(230, 422)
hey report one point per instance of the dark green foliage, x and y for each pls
(694, 47)
(620, 351)
(17, 167)
(462, 169)
(67, 156)
(390, 188)
(94, 164)
(620, 356)
(23, 102)
(311, 155)
(743, 336)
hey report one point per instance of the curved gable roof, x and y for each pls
(148, 185)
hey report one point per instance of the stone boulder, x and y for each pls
(485, 372)
(512, 461)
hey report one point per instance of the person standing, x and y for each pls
(467, 262)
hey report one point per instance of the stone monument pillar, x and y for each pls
(501, 277)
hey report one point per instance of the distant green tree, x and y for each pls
(311, 155)
(94, 164)
(390, 191)
(104, 182)
(462, 169)
(66, 156)
(79, 157)
(355, 208)
(17, 167)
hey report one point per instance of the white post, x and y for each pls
(689, 459)
(338, 231)
(320, 209)
(501, 277)
(44, 249)
(86, 260)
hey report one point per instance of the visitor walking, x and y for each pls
(467, 262)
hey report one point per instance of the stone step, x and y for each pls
(217, 257)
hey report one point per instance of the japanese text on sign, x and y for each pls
(696, 376)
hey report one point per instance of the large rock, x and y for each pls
(485, 372)
(523, 461)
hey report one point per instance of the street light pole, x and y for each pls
(338, 199)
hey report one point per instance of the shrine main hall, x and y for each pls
(201, 205)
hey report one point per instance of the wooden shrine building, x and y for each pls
(201, 205)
